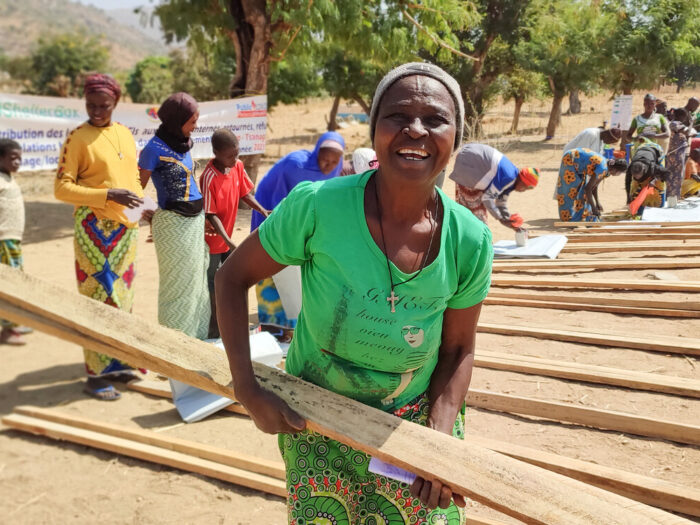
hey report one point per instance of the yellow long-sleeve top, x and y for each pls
(93, 160)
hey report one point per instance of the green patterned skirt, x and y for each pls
(10, 254)
(183, 261)
(328, 483)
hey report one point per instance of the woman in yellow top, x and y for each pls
(98, 173)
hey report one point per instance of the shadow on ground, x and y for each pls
(46, 220)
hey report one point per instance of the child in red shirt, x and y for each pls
(224, 182)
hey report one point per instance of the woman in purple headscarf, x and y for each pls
(97, 173)
(324, 162)
(178, 224)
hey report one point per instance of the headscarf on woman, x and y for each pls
(100, 83)
(290, 170)
(174, 113)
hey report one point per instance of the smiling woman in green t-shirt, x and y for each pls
(393, 276)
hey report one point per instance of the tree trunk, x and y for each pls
(574, 102)
(365, 107)
(555, 114)
(252, 41)
(332, 124)
(519, 101)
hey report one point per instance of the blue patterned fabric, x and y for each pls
(172, 172)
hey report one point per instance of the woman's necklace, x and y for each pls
(118, 150)
(433, 228)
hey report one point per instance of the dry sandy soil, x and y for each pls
(44, 481)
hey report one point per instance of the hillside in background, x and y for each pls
(22, 22)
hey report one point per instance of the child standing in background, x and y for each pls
(224, 182)
(11, 226)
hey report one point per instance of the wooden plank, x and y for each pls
(636, 237)
(501, 265)
(517, 489)
(609, 230)
(590, 417)
(652, 343)
(231, 458)
(150, 453)
(589, 373)
(591, 307)
(583, 299)
(652, 491)
(573, 224)
(613, 284)
(621, 247)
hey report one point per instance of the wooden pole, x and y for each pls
(590, 417)
(613, 284)
(653, 343)
(510, 265)
(589, 373)
(632, 224)
(693, 306)
(145, 452)
(629, 237)
(493, 299)
(604, 247)
(522, 491)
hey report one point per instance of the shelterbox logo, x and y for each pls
(251, 110)
(152, 113)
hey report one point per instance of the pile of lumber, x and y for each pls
(512, 486)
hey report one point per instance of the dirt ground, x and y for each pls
(45, 481)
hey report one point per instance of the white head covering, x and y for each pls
(361, 158)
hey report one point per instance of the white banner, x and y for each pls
(621, 112)
(41, 124)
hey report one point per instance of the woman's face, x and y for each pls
(99, 107)
(188, 127)
(415, 130)
(649, 105)
(328, 159)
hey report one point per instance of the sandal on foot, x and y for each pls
(12, 337)
(107, 393)
(24, 330)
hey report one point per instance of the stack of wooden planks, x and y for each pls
(512, 486)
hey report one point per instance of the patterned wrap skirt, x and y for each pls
(329, 483)
(472, 200)
(270, 309)
(105, 252)
(11, 255)
(183, 261)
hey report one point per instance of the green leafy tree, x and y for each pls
(564, 45)
(264, 33)
(521, 85)
(349, 78)
(648, 38)
(204, 69)
(151, 80)
(486, 48)
(59, 62)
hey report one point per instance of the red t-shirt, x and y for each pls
(222, 191)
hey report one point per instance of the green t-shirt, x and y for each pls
(346, 339)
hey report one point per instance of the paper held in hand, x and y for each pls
(134, 214)
(377, 466)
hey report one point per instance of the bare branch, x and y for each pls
(437, 40)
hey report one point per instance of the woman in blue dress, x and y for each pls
(580, 174)
(324, 162)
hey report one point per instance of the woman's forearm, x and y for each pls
(448, 387)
